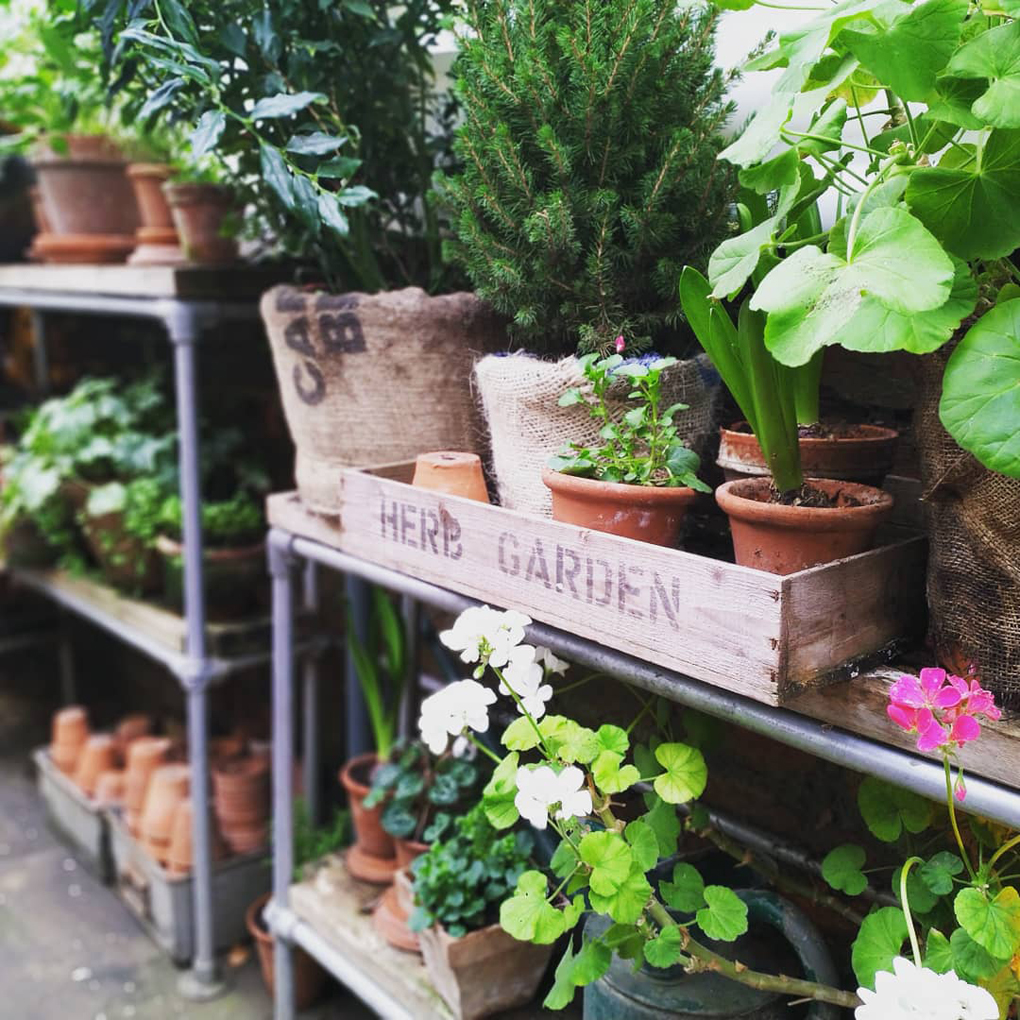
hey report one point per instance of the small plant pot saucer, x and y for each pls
(147, 254)
(83, 249)
(391, 922)
(367, 868)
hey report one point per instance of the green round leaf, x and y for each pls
(995, 56)
(878, 943)
(663, 821)
(971, 961)
(613, 738)
(686, 892)
(994, 924)
(841, 868)
(627, 904)
(528, 916)
(686, 773)
(499, 793)
(938, 955)
(610, 859)
(643, 844)
(725, 916)
(887, 810)
(666, 948)
(920, 898)
(937, 873)
(611, 775)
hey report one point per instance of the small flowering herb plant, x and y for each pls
(962, 899)
(643, 447)
(558, 775)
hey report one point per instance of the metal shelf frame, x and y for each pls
(183, 322)
(287, 551)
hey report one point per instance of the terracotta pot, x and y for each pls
(198, 212)
(129, 729)
(785, 539)
(242, 791)
(144, 756)
(92, 147)
(158, 243)
(452, 473)
(392, 911)
(864, 457)
(70, 731)
(485, 972)
(110, 788)
(408, 850)
(168, 786)
(234, 578)
(647, 513)
(309, 978)
(98, 755)
(245, 839)
(373, 856)
(179, 854)
(222, 749)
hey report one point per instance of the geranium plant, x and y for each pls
(560, 775)
(906, 113)
(643, 447)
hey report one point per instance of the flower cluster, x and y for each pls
(541, 789)
(942, 710)
(487, 637)
(911, 992)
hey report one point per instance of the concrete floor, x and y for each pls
(69, 950)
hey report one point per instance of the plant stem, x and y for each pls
(952, 819)
(913, 135)
(828, 141)
(1008, 845)
(905, 904)
(523, 710)
(481, 747)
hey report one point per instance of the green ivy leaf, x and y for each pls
(724, 918)
(980, 404)
(666, 948)
(878, 943)
(627, 904)
(686, 773)
(972, 209)
(841, 868)
(283, 105)
(994, 924)
(610, 859)
(971, 961)
(643, 843)
(611, 775)
(686, 892)
(499, 793)
(527, 915)
(887, 810)
(662, 819)
(994, 55)
(937, 873)
(937, 953)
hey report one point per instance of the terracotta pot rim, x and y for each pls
(594, 490)
(877, 436)
(169, 547)
(733, 501)
(347, 780)
(78, 162)
(197, 192)
(144, 169)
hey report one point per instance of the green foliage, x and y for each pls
(889, 810)
(461, 880)
(589, 145)
(311, 843)
(226, 524)
(878, 943)
(642, 448)
(993, 922)
(841, 868)
(421, 795)
(323, 115)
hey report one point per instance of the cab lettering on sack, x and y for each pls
(340, 332)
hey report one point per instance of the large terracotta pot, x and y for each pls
(784, 539)
(375, 378)
(647, 513)
(158, 243)
(199, 212)
(485, 972)
(865, 456)
(309, 978)
(372, 858)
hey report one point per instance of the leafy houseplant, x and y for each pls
(642, 464)
(459, 885)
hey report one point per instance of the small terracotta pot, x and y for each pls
(110, 788)
(144, 756)
(179, 856)
(126, 561)
(452, 473)
(647, 513)
(242, 791)
(158, 243)
(168, 786)
(408, 850)
(129, 729)
(864, 457)
(245, 839)
(485, 972)
(98, 755)
(309, 978)
(70, 730)
(392, 911)
(373, 856)
(222, 749)
(785, 539)
(198, 212)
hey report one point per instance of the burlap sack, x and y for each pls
(520, 394)
(375, 378)
(974, 559)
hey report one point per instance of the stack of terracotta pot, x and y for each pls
(242, 796)
(180, 855)
(99, 755)
(70, 732)
(168, 787)
(144, 756)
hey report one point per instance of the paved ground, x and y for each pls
(69, 950)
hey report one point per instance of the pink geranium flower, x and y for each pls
(621, 345)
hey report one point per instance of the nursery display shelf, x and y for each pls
(330, 918)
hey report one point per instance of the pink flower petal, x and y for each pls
(959, 683)
(947, 698)
(993, 712)
(960, 789)
(931, 735)
(907, 691)
(964, 729)
(905, 718)
(933, 680)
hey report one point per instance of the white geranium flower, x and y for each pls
(916, 993)
(464, 748)
(550, 662)
(448, 712)
(486, 635)
(540, 789)
(526, 678)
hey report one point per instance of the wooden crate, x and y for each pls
(757, 634)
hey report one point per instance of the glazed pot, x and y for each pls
(865, 457)
(372, 858)
(484, 972)
(234, 578)
(647, 513)
(199, 212)
(97, 756)
(451, 473)
(309, 978)
(392, 911)
(784, 539)
(168, 786)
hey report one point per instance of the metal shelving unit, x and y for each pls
(184, 302)
(822, 739)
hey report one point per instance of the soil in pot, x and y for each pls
(372, 858)
(854, 453)
(647, 513)
(234, 578)
(309, 978)
(834, 520)
(199, 212)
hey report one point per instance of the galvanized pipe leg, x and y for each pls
(310, 700)
(203, 981)
(280, 563)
